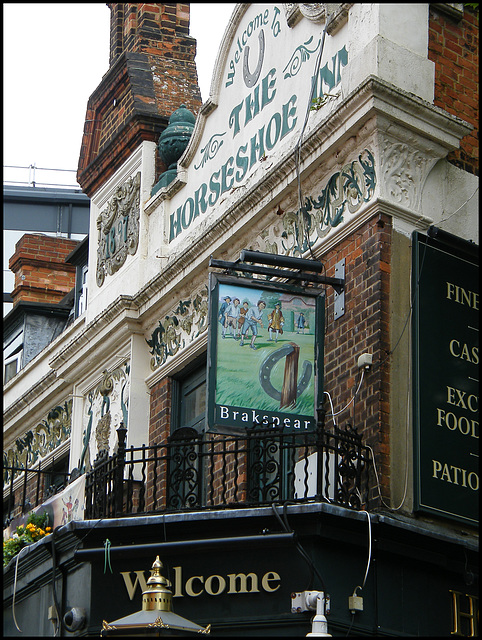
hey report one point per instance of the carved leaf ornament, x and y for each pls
(187, 322)
(38, 442)
(345, 192)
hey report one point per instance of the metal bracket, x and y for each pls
(340, 293)
(304, 268)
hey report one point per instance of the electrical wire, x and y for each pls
(457, 210)
(27, 548)
(369, 548)
(333, 414)
(58, 626)
(300, 139)
(367, 569)
(284, 525)
(406, 462)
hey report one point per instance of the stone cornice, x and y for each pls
(108, 329)
(23, 402)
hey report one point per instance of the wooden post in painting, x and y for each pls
(289, 391)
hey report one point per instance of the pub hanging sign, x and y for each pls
(265, 356)
(446, 379)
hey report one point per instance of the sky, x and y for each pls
(54, 57)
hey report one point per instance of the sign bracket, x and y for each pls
(307, 270)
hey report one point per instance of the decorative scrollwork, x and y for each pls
(105, 406)
(300, 55)
(211, 149)
(345, 191)
(48, 434)
(178, 330)
(184, 478)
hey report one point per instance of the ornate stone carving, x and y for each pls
(49, 434)
(405, 167)
(295, 10)
(345, 192)
(314, 11)
(102, 432)
(187, 322)
(118, 227)
(106, 405)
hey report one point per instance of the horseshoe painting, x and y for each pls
(264, 370)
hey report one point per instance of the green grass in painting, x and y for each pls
(238, 373)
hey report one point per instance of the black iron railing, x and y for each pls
(193, 471)
(35, 487)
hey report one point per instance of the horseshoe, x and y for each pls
(250, 79)
(267, 366)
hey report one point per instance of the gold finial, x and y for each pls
(157, 596)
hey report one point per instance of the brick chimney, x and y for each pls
(151, 73)
(41, 274)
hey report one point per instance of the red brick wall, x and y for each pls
(159, 430)
(364, 328)
(160, 411)
(454, 47)
(41, 274)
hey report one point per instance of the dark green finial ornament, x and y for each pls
(173, 142)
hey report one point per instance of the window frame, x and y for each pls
(189, 379)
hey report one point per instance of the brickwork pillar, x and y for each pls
(41, 273)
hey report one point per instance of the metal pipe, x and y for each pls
(336, 283)
(281, 261)
(185, 545)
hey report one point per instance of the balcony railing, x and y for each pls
(193, 471)
(35, 487)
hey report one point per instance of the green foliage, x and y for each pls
(35, 529)
(317, 103)
(473, 6)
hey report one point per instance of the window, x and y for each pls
(82, 290)
(12, 356)
(189, 398)
(185, 484)
(12, 366)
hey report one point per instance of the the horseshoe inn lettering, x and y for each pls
(250, 58)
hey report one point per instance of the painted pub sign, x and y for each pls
(264, 356)
(446, 379)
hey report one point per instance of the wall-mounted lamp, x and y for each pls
(156, 617)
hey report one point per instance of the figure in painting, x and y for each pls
(301, 323)
(253, 319)
(275, 322)
(222, 313)
(242, 315)
(232, 316)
